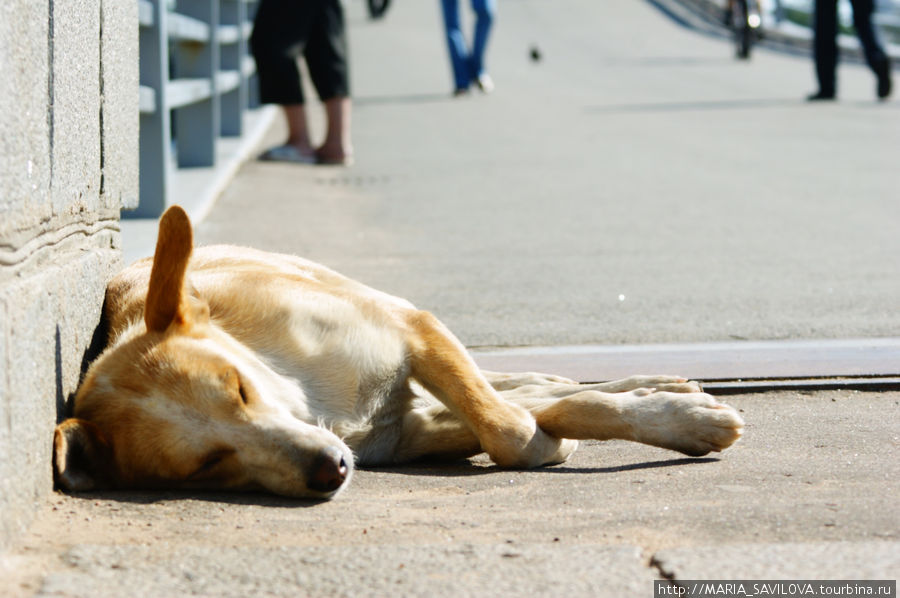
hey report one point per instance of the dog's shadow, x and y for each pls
(152, 497)
(464, 468)
(437, 469)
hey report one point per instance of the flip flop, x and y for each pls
(287, 153)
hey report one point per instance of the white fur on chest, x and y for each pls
(344, 361)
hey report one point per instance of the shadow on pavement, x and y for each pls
(417, 98)
(466, 468)
(695, 106)
(150, 497)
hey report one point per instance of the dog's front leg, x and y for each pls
(691, 423)
(507, 432)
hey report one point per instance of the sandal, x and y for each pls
(287, 153)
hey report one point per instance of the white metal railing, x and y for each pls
(197, 80)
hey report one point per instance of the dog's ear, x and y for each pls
(166, 301)
(82, 456)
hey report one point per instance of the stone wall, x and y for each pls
(68, 164)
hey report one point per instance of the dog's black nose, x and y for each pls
(328, 471)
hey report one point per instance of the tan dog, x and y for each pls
(235, 368)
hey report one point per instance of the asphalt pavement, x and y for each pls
(635, 185)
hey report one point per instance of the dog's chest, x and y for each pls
(347, 360)
(340, 343)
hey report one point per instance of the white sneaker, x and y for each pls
(485, 83)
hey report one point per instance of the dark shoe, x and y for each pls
(820, 96)
(883, 72)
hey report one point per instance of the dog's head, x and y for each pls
(181, 404)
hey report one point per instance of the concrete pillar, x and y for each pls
(68, 164)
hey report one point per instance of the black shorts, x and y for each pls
(285, 29)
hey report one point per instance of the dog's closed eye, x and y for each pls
(211, 462)
(235, 385)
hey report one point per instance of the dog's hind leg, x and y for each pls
(507, 432)
(434, 431)
(546, 387)
(504, 381)
(666, 383)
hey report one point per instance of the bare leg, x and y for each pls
(298, 133)
(337, 147)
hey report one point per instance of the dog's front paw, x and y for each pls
(567, 446)
(694, 424)
(545, 450)
(532, 449)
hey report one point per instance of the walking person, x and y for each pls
(826, 48)
(468, 65)
(282, 31)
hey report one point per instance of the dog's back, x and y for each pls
(225, 275)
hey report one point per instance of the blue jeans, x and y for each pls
(467, 66)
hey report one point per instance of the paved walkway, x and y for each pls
(636, 185)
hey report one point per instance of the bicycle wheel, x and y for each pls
(377, 8)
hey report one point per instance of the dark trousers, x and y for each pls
(285, 29)
(826, 48)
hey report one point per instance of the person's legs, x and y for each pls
(875, 55)
(484, 17)
(862, 21)
(825, 47)
(337, 147)
(298, 132)
(326, 58)
(280, 30)
(456, 45)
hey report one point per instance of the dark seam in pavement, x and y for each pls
(663, 574)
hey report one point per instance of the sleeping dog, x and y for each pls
(232, 368)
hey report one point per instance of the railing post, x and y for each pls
(155, 132)
(252, 83)
(197, 125)
(234, 102)
(190, 51)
